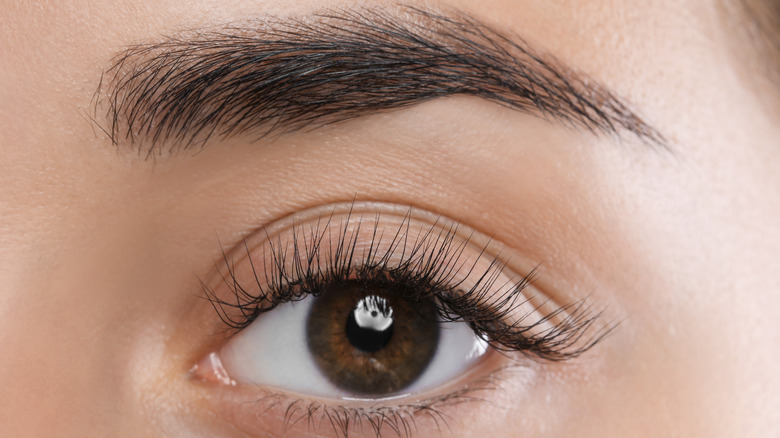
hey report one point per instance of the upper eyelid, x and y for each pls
(323, 216)
(562, 332)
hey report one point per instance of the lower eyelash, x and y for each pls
(428, 266)
(399, 420)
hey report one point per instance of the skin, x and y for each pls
(101, 252)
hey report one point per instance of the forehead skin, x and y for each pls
(100, 251)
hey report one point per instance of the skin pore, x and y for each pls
(667, 223)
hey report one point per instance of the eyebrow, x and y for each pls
(283, 75)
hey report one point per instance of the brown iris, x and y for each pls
(369, 340)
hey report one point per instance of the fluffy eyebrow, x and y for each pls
(282, 75)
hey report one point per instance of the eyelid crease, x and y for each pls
(432, 265)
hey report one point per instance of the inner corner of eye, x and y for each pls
(351, 342)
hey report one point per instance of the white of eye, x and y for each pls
(273, 352)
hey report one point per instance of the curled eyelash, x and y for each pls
(430, 267)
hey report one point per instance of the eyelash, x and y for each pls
(401, 419)
(428, 267)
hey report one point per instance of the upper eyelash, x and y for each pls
(429, 267)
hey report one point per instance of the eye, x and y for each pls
(355, 340)
(373, 317)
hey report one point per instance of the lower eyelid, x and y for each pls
(258, 411)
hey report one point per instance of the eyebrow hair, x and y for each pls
(283, 75)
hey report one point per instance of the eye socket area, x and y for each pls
(344, 307)
(282, 271)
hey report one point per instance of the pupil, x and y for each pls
(370, 324)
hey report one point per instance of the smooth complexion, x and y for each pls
(101, 251)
